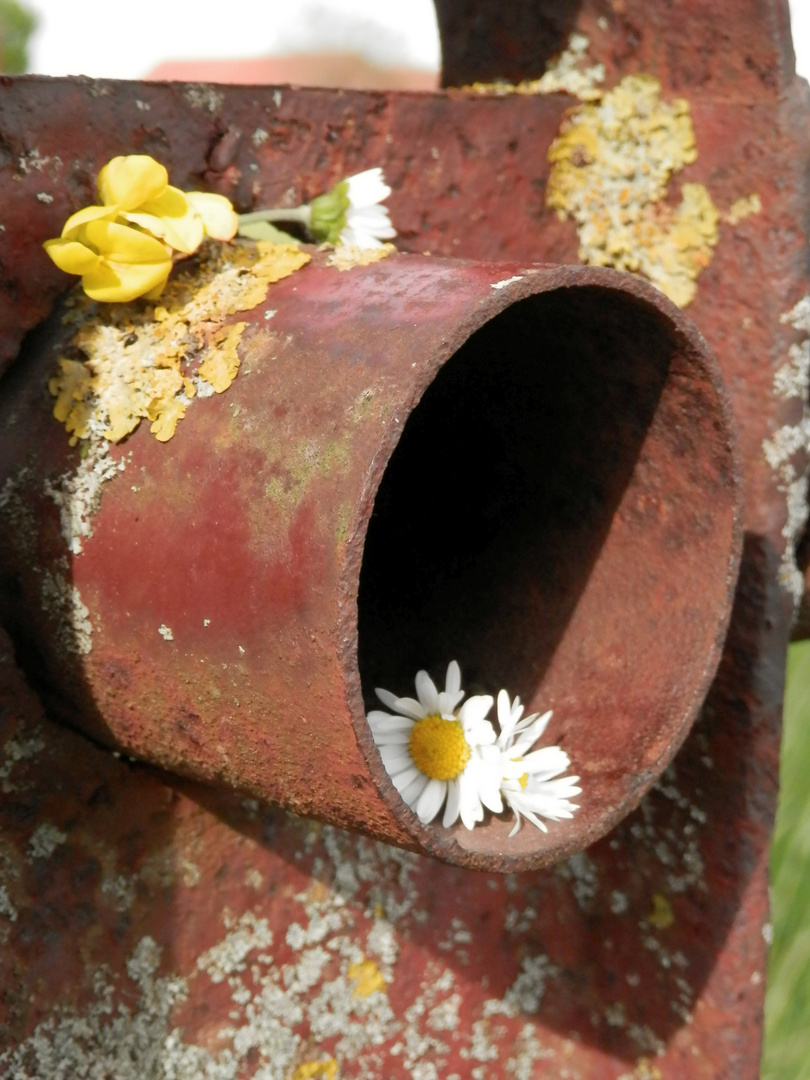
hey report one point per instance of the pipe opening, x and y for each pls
(529, 524)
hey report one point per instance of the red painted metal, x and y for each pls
(503, 462)
(129, 946)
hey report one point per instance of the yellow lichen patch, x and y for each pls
(567, 73)
(662, 914)
(316, 1070)
(743, 208)
(366, 977)
(222, 363)
(344, 257)
(165, 418)
(142, 361)
(275, 261)
(611, 165)
(71, 387)
(644, 1070)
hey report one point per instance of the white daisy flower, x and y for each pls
(351, 214)
(530, 779)
(439, 752)
(367, 223)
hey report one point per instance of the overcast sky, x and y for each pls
(100, 39)
(94, 37)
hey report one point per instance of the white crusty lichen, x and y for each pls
(204, 96)
(113, 1039)
(22, 746)
(77, 494)
(44, 841)
(7, 909)
(62, 602)
(786, 451)
(526, 992)
(229, 956)
(792, 380)
(286, 996)
(570, 72)
(16, 515)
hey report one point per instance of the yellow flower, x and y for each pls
(218, 216)
(137, 188)
(116, 262)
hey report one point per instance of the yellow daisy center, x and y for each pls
(522, 780)
(438, 747)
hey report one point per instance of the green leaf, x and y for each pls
(263, 230)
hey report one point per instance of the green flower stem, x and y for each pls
(300, 214)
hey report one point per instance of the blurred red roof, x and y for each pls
(302, 69)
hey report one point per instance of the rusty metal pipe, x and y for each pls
(528, 469)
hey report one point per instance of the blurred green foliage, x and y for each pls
(787, 1005)
(16, 26)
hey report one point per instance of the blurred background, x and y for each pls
(357, 43)
(395, 44)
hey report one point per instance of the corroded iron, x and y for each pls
(528, 469)
(188, 930)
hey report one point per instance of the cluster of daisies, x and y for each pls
(125, 246)
(442, 751)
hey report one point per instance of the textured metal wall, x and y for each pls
(152, 927)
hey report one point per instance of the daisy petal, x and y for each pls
(427, 693)
(414, 789)
(408, 707)
(547, 762)
(383, 722)
(392, 738)
(452, 682)
(406, 777)
(386, 697)
(430, 801)
(470, 810)
(367, 187)
(453, 806)
(535, 820)
(395, 758)
(474, 710)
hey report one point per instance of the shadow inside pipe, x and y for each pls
(528, 525)
(489, 42)
(503, 487)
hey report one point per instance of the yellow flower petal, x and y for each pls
(217, 213)
(153, 294)
(71, 256)
(118, 282)
(123, 244)
(172, 218)
(83, 217)
(130, 181)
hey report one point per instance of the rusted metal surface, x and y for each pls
(151, 925)
(740, 53)
(632, 994)
(567, 421)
